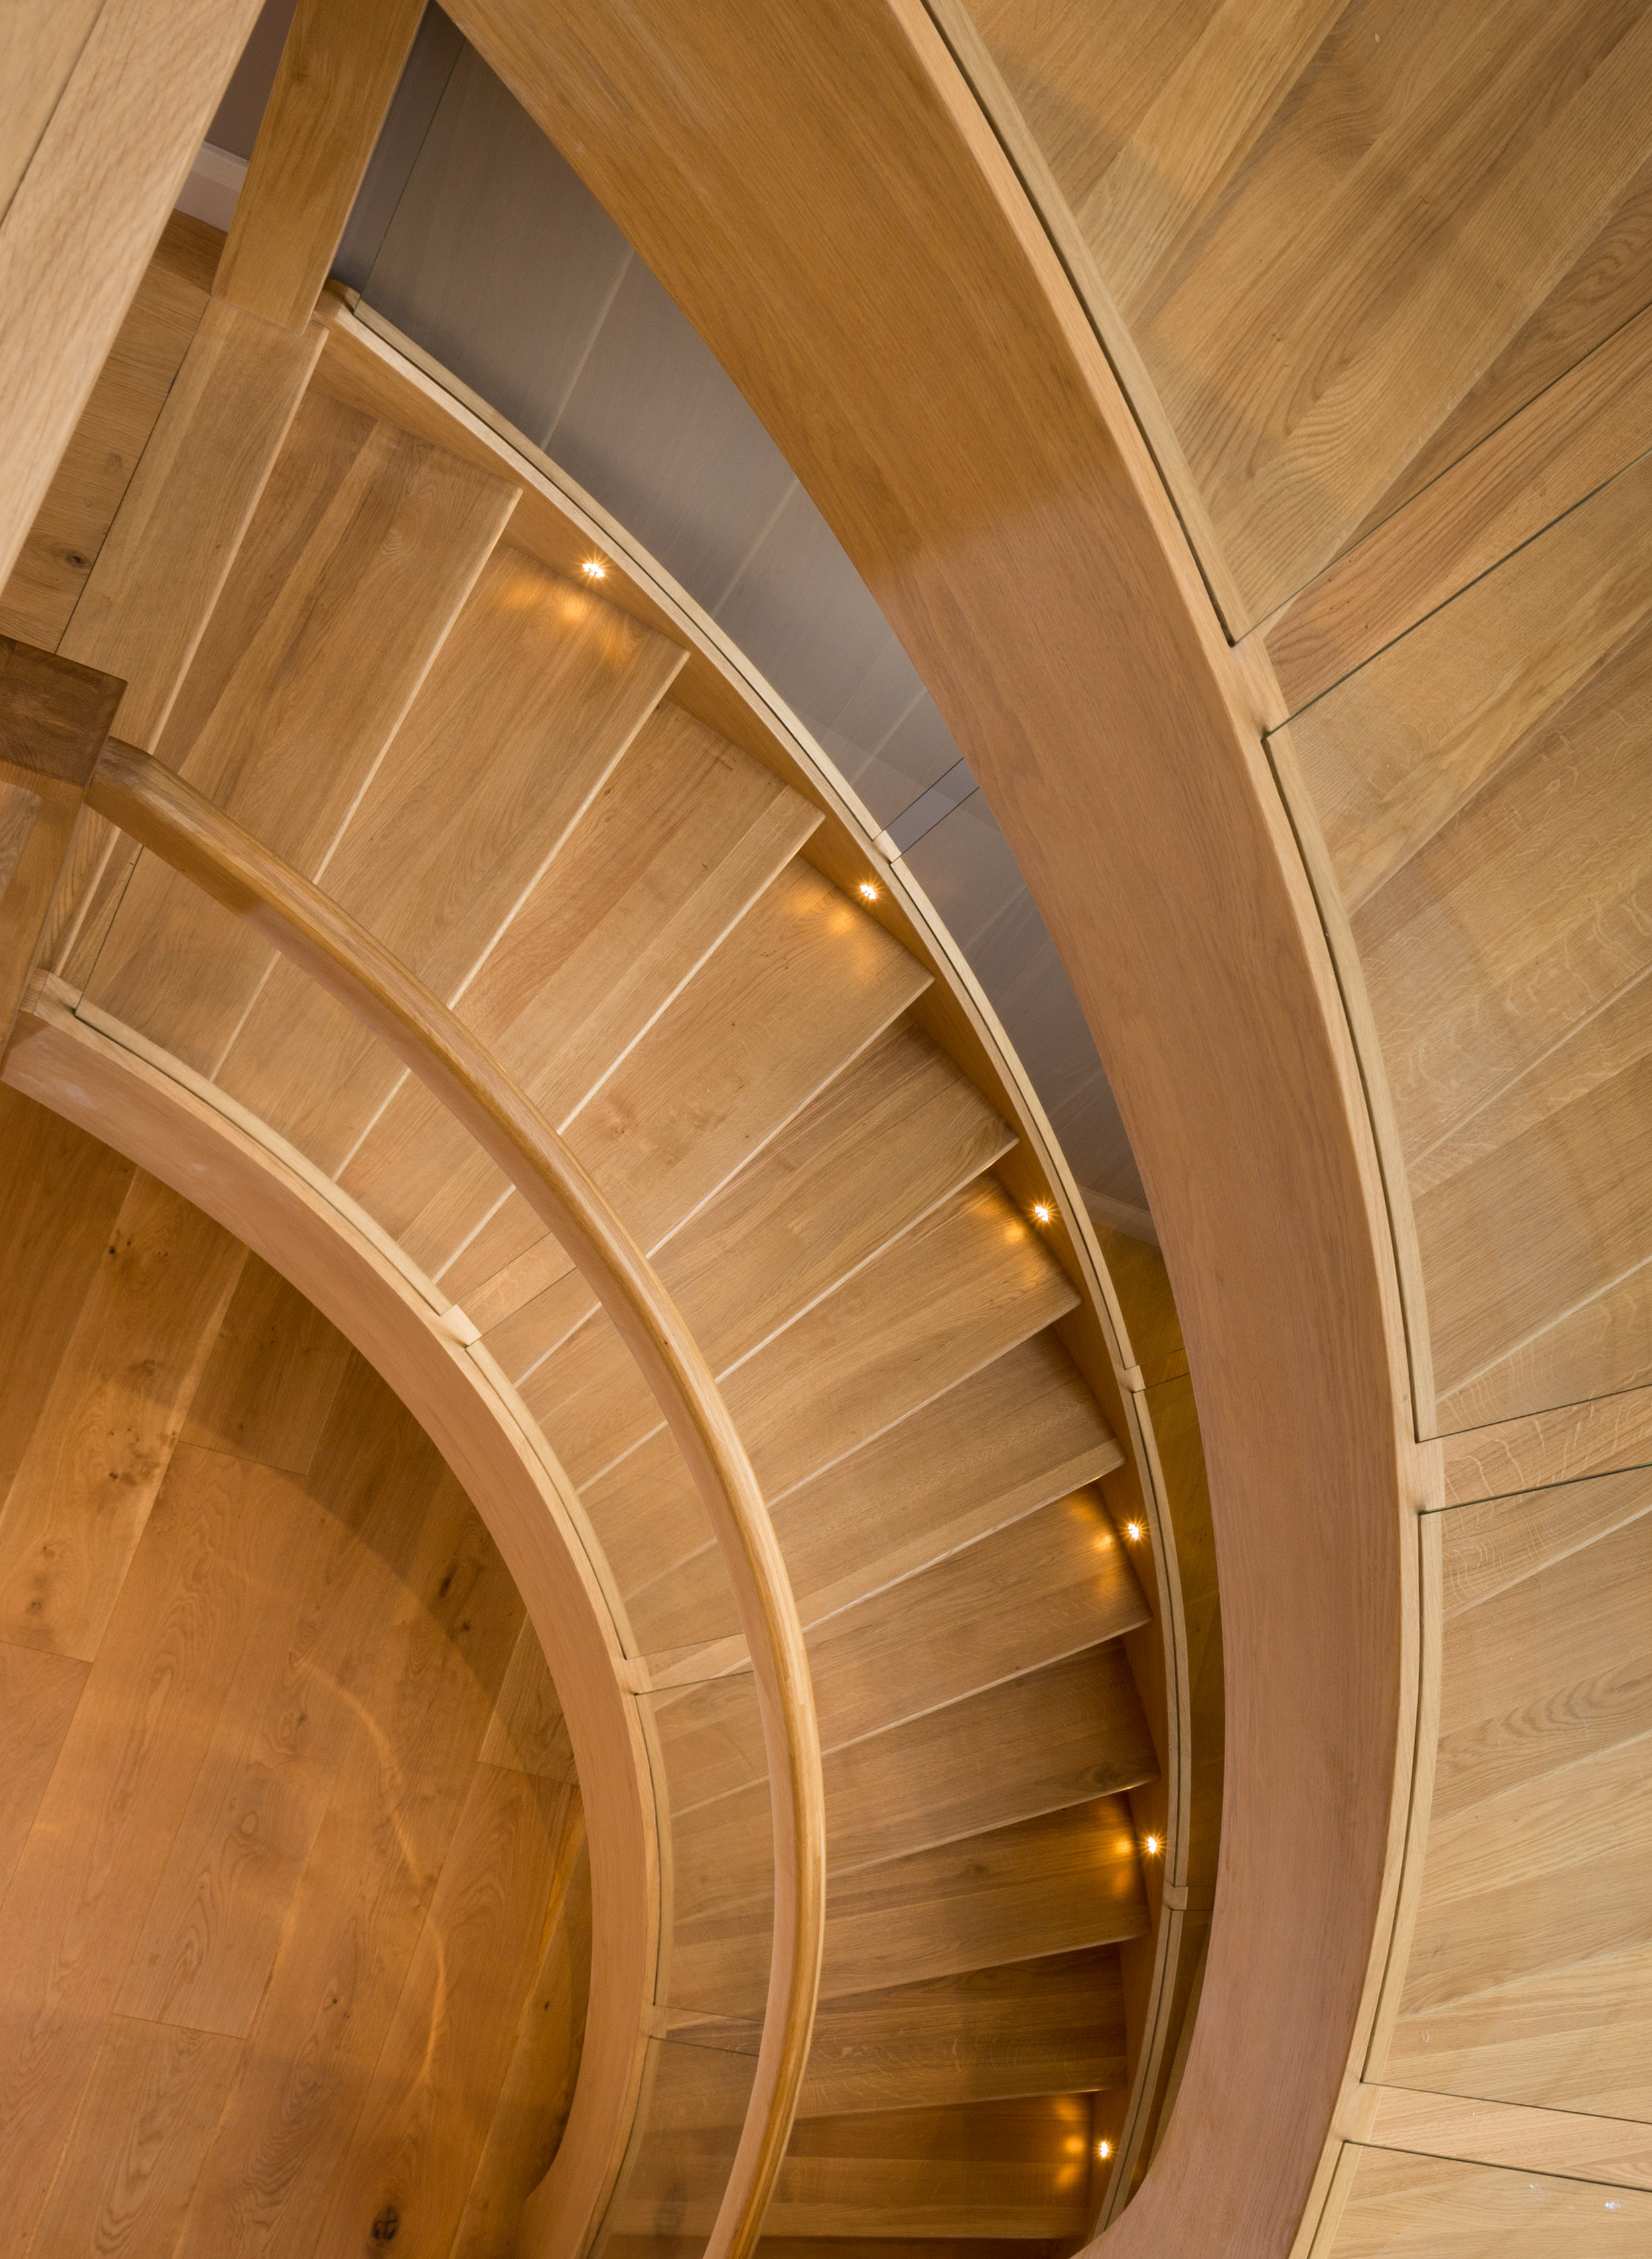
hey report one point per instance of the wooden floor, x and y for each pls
(295, 1910)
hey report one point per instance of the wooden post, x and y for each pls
(54, 719)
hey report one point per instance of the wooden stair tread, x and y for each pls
(958, 1290)
(1057, 1737)
(730, 1061)
(363, 548)
(1003, 1441)
(892, 1137)
(528, 706)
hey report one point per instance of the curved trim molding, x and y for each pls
(531, 1511)
(824, 198)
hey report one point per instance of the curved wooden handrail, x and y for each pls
(163, 813)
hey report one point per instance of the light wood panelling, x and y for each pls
(1549, 1447)
(968, 1283)
(680, 841)
(97, 465)
(85, 1486)
(1410, 2208)
(1002, 1442)
(1530, 1976)
(530, 701)
(1505, 2133)
(337, 72)
(894, 1135)
(363, 549)
(1249, 184)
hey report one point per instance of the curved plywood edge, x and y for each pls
(833, 213)
(530, 1509)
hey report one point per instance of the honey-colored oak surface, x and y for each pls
(247, 1816)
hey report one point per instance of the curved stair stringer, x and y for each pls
(371, 364)
(180, 1129)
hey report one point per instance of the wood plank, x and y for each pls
(895, 1134)
(1055, 1738)
(267, 2180)
(528, 1729)
(337, 72)
(1570, 439)
(1049, 1586)
(221, 1907)
(1614, 2150)
(461, 820)
(97, 465)
(1549, 1447)
(268, 1388)
(685, 836)
(1411, 2207)
(1500, 1543)
(526, 2128)
(731, 1060)
(60, 1194)
(112, 147)
(87, 1484)
(38, 1692)
(956, 1292)
(1018, 2169)
(419, 2138)
(1031, 2027)
(358, 559)
(150, 2108)
(999, 1444)
(105, 1827)
(169, 548)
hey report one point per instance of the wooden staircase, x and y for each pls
(483, 761)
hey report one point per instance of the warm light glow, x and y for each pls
(1133, 1531)
(1152, 1847)
(594, 570)
(1104, 2148)
(869, 893)
(1043, 1213)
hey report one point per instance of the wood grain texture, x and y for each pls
(1247, 185)
(1549, 1447)
(533, 698)
(358, 559)
(337, 72)
(268, 1388)
(1504, 2134)
(109, 147)
(1033, 522)
(38, 1692)
(1403, 2207)
(79, 507)
(85, 1486)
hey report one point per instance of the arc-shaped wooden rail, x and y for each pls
(187, 831)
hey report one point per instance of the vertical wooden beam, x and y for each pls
(54, 719)
(102, 111)
(338, 71)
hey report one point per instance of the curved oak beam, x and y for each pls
(158, 808)
(816, 186)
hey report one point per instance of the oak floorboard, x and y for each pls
(265, 2182)
(685, 834)
(199, 1579)
(149, 2112)
(75, 1510)
(530, 703)
(221, 1907)
(38, 1692)
(419, 2138)
(528, 1729)
(268, 1388)
(363, 548)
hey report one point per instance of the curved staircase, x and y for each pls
(483, 760)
